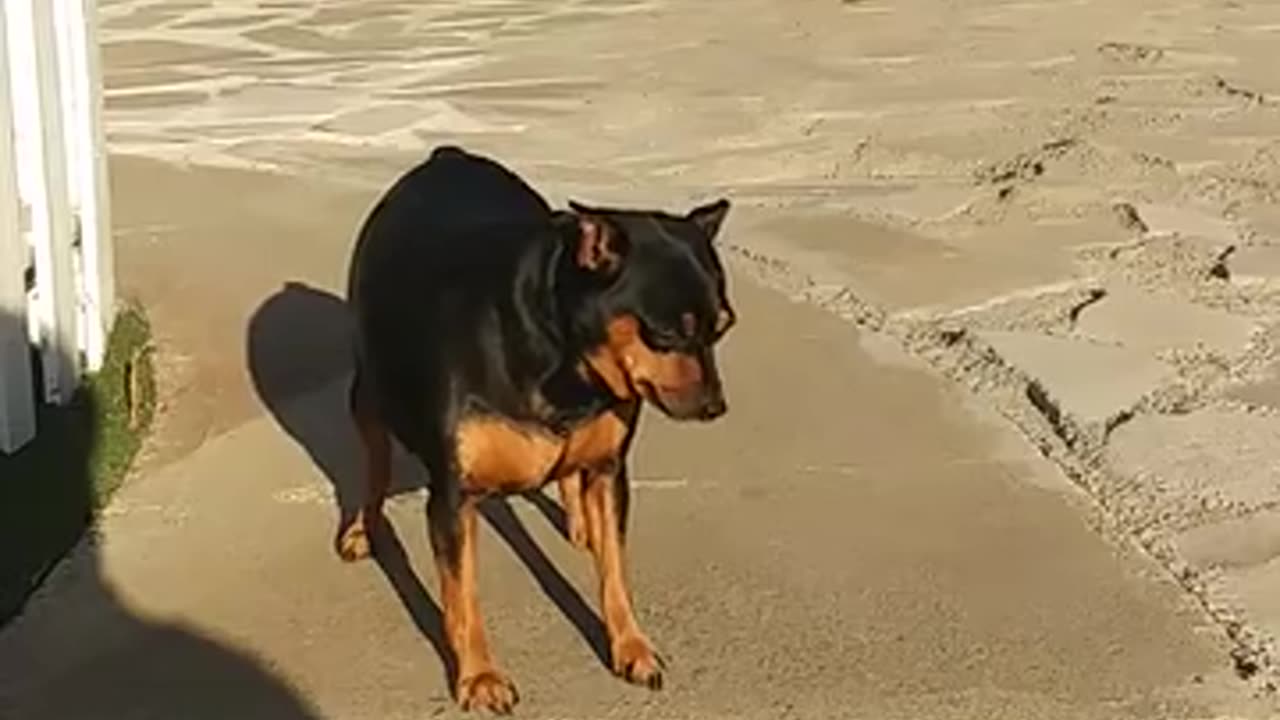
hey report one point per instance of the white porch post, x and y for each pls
(80, 65)
(42, 180)
(17, 404)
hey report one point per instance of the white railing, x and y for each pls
(57, 274)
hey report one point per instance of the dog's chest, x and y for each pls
(495, 454)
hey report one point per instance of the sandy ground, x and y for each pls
(1003, 438)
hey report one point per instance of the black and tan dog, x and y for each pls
(507, 345)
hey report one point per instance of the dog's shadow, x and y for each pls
(298, 350)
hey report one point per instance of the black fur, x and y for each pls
(466, 296)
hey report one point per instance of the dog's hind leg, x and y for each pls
(353, 539)
(606, 504)
(451, 519)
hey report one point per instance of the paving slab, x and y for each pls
(1184, 471)
(897, 268)
(1263, 391)
(1255, 262)
(1158, 322)
(1263, 220)
(1240, 542)
(1242, 556)
(1091, 382)
(1252, 590)
(1186, 222)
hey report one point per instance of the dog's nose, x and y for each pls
(714, 409)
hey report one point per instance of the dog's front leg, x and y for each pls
(571, 501)
(479, 683)
(606, 505)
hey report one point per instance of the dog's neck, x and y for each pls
(544, 347)
(568, 398)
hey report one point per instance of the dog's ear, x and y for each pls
(709, 217)
(598, 245)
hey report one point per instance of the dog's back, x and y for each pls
(451, 193)
(436, 254)
(457, 191)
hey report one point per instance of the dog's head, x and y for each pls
(654, 304)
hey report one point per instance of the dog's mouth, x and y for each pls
(681, 404)
(649, 391)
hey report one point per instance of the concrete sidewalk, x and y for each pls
(1017, 228)
(855, 541)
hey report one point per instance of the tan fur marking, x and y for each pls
(627, 365)
(595, 442)
(479, 684)
(631, 652)
(571, 501)
(496, 455)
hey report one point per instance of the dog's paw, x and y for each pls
(354, 541)
(635, 661)
(488, 690)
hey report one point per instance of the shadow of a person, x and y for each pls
(76, 652)
(298, 351)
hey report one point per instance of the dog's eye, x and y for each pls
(667, 341)
(662, 339)
(688, 325)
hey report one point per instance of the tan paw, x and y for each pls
(354, 542)
(635, 661)
(488, 690)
